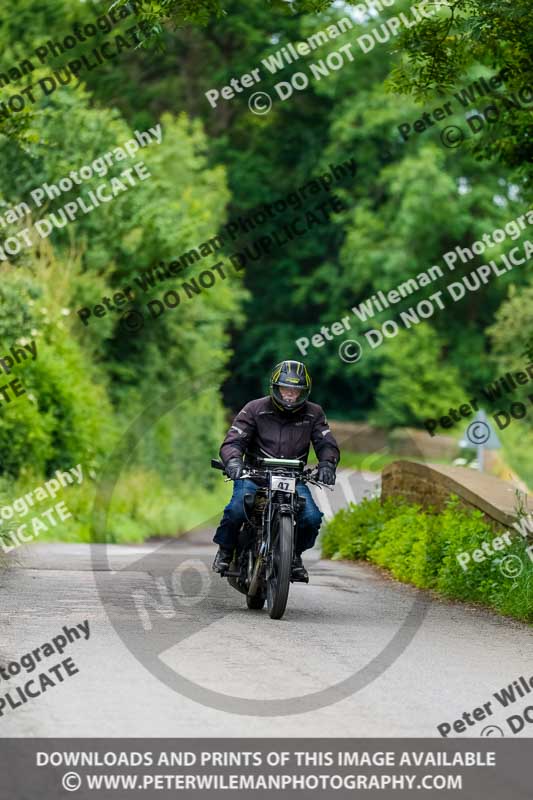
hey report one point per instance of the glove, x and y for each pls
(326, 473)
(234, 468)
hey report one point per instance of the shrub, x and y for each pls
(420, 547)
(353, 530)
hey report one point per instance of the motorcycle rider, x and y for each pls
(281, 425)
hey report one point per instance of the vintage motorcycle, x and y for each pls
(261, 565)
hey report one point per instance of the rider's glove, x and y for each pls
(326, 473)
(234, 468)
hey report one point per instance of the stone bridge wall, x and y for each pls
(432, 484)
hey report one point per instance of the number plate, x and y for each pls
(282, 484)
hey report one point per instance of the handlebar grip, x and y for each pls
(216, 464)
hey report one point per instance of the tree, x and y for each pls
(417, 380)
(467, 39)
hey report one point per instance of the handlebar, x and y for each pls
(305, 475)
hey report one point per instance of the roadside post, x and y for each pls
(479, 436)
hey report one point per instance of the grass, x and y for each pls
(142, 505)
(375, 462)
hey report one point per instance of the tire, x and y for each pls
(256, 601)
(279, 582)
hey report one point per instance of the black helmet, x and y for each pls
(292, 375)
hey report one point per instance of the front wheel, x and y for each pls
(278, 582)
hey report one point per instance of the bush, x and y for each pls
(406, 396)
(353, 530)
(90, 385)
(142, 505)
(420, 547)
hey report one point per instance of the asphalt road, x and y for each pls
(164, 630)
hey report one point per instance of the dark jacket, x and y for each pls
(259, 429)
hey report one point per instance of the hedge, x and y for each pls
(420, 547)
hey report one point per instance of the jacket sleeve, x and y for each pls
(239, 435)
(324, 443)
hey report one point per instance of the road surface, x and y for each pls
(338, 626)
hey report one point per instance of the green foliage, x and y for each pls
(431, 58)
(409, 203)
(354, 530)
(179, 12)
(512, 338)
(512, 331)
(421, 548)
(65, 415)
(89, 383)
(376, 461)
(406, 396)
(143, 505)
(449, 49)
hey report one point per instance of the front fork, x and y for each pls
(286, 506)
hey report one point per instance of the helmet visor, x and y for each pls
(290, 396)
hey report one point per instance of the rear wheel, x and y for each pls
(278, 582)
(254, 601)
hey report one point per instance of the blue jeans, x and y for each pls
(309, 518)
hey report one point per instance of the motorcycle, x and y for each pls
(262, 561)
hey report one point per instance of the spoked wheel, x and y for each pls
(278, 582)
(255, 601)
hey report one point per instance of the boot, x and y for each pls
(298, 571)
(222, 559)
